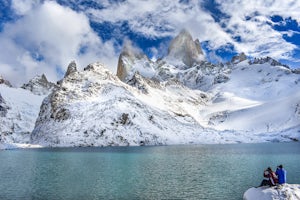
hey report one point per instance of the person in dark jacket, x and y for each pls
(281, 173)
(270, 178)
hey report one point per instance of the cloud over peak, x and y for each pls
(45, 35)
(46, 39)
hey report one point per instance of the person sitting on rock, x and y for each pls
(281, 173)
(270, 178)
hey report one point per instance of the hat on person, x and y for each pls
(269, 169)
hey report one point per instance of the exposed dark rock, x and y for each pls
(221, 78)
(71, 68)
(5, 82)
(61, 114)
(296, 71)
(3, 108)
(127, 58)
(184, 48)
(137, 82)
(238, 58)
(39, 85)
(269, 60)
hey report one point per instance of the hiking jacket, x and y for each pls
(281, 173)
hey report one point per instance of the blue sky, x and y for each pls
(43, 36)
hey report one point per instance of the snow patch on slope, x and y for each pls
(22, 111)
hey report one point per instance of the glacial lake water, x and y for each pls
(156, 172)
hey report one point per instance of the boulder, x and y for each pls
(285, 191)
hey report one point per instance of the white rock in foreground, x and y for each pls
(286, 191)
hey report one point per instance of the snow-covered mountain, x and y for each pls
(94, 108)
(259, 97)
(39, 85)
(19, 109)
(179, 99)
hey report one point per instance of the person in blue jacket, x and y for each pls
(281, 174)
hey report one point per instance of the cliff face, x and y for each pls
(183, 48)
(132, 60)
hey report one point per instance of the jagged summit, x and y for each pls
(269, 60)
(238, 58)
(71, 68)
(131, 60)
(183, 48)
(39, 85)
(177, 99)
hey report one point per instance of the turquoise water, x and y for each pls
(161, 172)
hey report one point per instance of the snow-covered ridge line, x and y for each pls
(153, 103)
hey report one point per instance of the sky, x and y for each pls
(44, 36)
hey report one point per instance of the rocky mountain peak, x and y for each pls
(5, 82)
(123, 68)
(269, 60)
(71, 68)
(238, 58)
(39, 85)
(128, 61)
(185, 49)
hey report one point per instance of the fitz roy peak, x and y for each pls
(179, 99)
(184, 49)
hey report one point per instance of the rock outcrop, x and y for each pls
(72, 68)
(238, 58)
(3, 107)
(185, 49)
(5, 82)
(132, 60)
(39, 85)
(269, 60)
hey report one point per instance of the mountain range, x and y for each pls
(178, 99)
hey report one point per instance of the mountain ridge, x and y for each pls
(156, 102)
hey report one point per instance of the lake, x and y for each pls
(211, 172)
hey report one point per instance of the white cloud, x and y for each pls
(45, 39)
(152, 19)
(164, 18)
(21, 7)
(147, 18)
(48, 35)
(258, 38)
